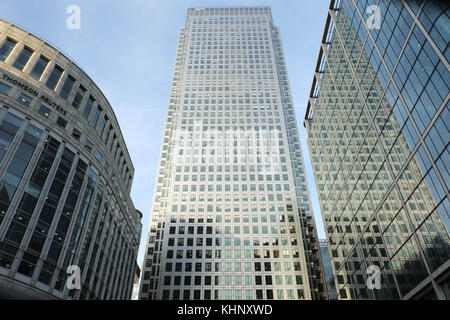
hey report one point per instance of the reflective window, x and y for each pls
(61, 122)
(78, 97)
(23, 58)
(76, 133)
(6, 48)
(44, 111)
(39, 68)
(67, 87)
(96, 116)
(54, 77)
(88, 107)
(4, 88)
(24, 99)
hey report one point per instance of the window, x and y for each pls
(23, 58)
(4, 88)
(61, 122)
(39, 68)
(44, 111)
(102, 126)
(6, 48)
(99, 156)
(78, 97)
(24, 99)
(88, 107)
(54, 77)
(67, 87)
(76, 133)
(96, 116)
(89, 145)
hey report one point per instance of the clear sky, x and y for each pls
(128, 49)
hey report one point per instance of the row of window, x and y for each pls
(227, 294)
(228, 280)
(227, 219)
(236, 230)
(235, 241)
(237, 266)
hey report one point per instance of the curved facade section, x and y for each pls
(65, 179)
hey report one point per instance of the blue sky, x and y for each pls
(128, 48)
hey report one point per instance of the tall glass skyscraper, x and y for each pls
(231, 216)
(378, 133)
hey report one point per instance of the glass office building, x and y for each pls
(231, 215)
(65, 179)
(378, 134)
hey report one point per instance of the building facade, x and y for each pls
(378, 134)
(231, 215)
(327, 269)
(65, 179)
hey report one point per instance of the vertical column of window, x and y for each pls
(131, 266)
(106, 263)
(98, 233)
(87, 241)
(23, 58)
(98, 276)
(121, 263)
(8, 129)
(78, 97)
(23, 153)
(48, 212)
(54, 77)
(110, 261)
(11, 180)
(51, 202)
(111, 265)
(67, 87)
(130, 271)
(80, 220)
(39, 68)
(110, 283)
(6, 48)
(65, 219)
(124, 272)
(29, 199)
(118, 254)
(88, 107)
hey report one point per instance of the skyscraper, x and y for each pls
(231, 216)
(378, 133)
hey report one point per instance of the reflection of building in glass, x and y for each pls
(378, 133)
(327, 269)
(231, 216)
(65, 179)
(137, 275)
